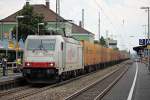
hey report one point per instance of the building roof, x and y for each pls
(49, 16)
(79, 29)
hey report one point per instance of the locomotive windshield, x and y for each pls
(41, 44)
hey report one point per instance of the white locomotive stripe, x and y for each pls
(133, 84)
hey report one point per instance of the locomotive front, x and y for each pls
(40, 59)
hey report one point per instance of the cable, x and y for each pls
(106, 16)
(115, 28)
(144, 1)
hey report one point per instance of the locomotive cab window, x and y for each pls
(41, 44)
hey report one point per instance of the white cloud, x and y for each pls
(9, 7)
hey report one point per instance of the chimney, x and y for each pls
(80, 23)
(27, 2)
(47, 4)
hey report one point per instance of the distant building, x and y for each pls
(111, 43)
(64, 26)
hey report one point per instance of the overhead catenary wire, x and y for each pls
(116, 29)
(143, 1)
(107, 17)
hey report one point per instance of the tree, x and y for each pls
(116, 48)
(102, 41)
(96, 42)
(29, 24)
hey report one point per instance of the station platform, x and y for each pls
(10, 77)
(11, 81)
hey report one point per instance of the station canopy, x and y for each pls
(140, 49)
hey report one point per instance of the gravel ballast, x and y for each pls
(63, 91)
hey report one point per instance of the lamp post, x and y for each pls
(145, 30)
(39, 27)
(2, 30)
(17, 17)
(148, 9)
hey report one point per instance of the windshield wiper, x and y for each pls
(42, 47)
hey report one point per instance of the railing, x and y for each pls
(10, 63)
(13, 64)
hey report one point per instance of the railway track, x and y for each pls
(26, 91)
(11, 82)
(8, 92)
(98, 89)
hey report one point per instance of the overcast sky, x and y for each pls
(121, 19)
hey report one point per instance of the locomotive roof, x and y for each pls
(42, 36)
(71, 40)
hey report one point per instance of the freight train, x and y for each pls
(54, 58)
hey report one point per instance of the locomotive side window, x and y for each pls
(41, 44)
(62, 46)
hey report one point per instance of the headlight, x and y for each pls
(28, 64)
(51, 64)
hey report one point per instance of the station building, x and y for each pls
(111, 43)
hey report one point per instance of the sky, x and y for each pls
(122, 20)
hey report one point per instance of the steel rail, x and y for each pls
(104, 92)
(39, 90)
(7, 92)
(93, 84)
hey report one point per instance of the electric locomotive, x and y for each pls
(51, 58)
